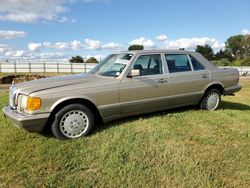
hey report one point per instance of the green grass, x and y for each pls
(177, 148)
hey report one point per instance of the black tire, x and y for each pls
(204, 101)
(60, 132)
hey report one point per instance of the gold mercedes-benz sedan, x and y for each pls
(123, 84)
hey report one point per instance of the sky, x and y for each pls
(55, 30)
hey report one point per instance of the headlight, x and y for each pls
(23, 102)
(33, 103)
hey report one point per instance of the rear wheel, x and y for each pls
(211, 100)
(73, 121)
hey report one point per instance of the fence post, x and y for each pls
(44, 68)
(15, 67)
(29, 67)
(85, 67)
(71, 67)
(57, 66)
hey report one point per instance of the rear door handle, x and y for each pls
(205, 76)
(162, 80)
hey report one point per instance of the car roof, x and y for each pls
(193, 53)
(138, 52)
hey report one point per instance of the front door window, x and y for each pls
(149, 64)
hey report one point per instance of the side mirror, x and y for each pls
(134, 73)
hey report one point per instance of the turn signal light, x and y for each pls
(33, 103)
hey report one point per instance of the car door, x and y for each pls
(147, 92)
(187, 78)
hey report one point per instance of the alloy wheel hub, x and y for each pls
(74, 124)
(213, 101)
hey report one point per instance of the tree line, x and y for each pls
(79, 59)
(235, 53)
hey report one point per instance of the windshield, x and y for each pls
(112, 65)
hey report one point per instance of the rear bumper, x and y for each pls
(232, 89)
(31, 123)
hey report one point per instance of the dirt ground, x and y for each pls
(4, 87)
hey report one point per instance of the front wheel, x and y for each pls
(211, 100)
(73, 121)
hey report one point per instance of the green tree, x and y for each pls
(76, 59)
(246, 45)
(243, 62)
(222, 62)
(206, 51)
(91, 60)
(238, 46)
(223, 54)
(234, 45)
(136, 47)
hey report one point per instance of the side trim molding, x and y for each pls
(103, 107)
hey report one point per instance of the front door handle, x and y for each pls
(162, 80)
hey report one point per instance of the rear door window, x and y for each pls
(178, 63)
(196, 65)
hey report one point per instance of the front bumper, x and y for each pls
(232, 89)
(31, 123)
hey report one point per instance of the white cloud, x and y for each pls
(29, 11)
(63, 50)
(21, 55)
(50, 55)
(58, 45)
(34, 46)
(73, 45)
(47, 44)
(112, 46)
(88, 44)
(147, 43)
(15, 53)
(63, 19)
(93, 44)
(61, 46)
(76, 44)
(4, 34)
(18, 17)
(191, 43)
(245, 32)
(162, 37)
(98, 45)
(99, 57)
(3, 49)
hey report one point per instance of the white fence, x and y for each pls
(45, 67)
(243, 70)
(66, 67)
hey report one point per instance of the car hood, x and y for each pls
(54, 82)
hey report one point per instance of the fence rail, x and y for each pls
(6, 67)
(242, 70)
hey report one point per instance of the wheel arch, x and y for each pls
(77, 99)
(215, 85)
